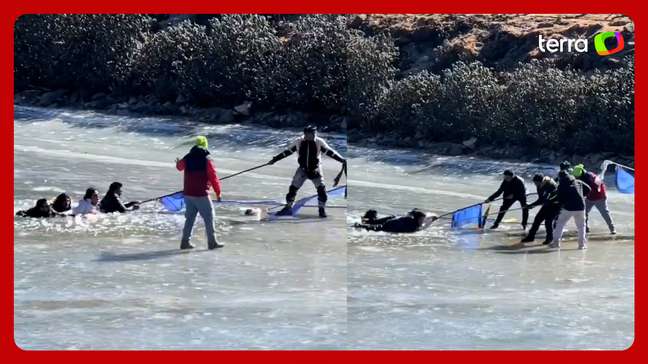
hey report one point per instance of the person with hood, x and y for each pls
(414, 221)
(199, 176)
(513, 189)
(89, 204)
(550, 207)
(596, 198)
(571, 194)
(42, 209)
(309, 148)
(112, 201)
(62, 203)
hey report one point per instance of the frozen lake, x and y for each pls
(121, 283)
(468, 289)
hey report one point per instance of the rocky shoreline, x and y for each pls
(246, 113)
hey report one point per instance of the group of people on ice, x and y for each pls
(571, 195)
(199, 178)
(89, 204)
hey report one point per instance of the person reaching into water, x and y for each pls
(42, 209)
(596, 198)
(62, 204)
(513, 189)
(112, 200)
(571, 194)
(89, 204)
(414, 221)
(199, 176)
(550, 207)
(309, 148)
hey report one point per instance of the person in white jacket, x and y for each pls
(309, 149)
(89, 204)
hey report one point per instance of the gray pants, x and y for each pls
(602, 206)
(298, 180)
(562, 219)
(193, 206)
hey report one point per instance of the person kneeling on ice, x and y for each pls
(42, 209)
(199, 176)
(89, 204)
(309, 149)
(112, 201)
(412, 222)
(571, 194)
(514, 190)
(62, 203)
(596, 198)
(550, 207)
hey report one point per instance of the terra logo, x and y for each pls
(581, 45)
(602, 49)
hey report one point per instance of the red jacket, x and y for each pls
(199, 173)
(596, 184)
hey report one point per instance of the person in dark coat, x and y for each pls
(571, 195)
(42, 209)
(112, 200)
(513, 189)
(549, 208)
(412, 222)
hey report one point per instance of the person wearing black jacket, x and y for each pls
(513, 189)
(412, 222)
(112, 201)
(571, 195)
(42, 209)
(309, 149)
(550, 207)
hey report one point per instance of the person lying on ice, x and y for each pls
(514, 190)
(42, 209)
(412, 222)
(309, 150)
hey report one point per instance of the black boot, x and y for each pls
(286, 210)
(322, 212)
(186, 245)
(528, 239)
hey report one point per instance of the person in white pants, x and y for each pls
(571, 194)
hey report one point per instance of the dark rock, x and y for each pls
(50, 97)
(244, 108)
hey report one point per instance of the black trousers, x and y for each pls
(507, 203)
(547, 214)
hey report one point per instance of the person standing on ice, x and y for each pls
(596, 198)
(199, 176)
(514, 190)
(309, 148)
(550, 207)
(571, 194)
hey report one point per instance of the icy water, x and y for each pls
(446, 289)
(120, 281)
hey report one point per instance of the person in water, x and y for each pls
(309, 148)
(89, 204)
(550, 207)
(62, 203)
(199, 176)
(571, 194)
(596, 198)
(412, 222)
(112, 201)
(42, 209)
(514, 190)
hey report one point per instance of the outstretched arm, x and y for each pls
(288, 151)
(496, 194)
(327, 150)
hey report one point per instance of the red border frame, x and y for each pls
(15, 8)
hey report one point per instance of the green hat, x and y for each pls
(201, 142)
(578, 171)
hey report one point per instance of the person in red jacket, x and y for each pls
(199, 176)
(596, 198)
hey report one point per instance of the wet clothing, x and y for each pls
(403, 224)
(298, 180)
(111, 203)
(193, 206)
(36, 212)
(199, 173)
(85, 207)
